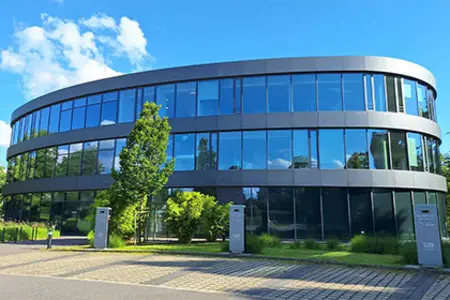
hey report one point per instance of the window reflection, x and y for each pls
(398, 150)
(89, 164)
(278, 90)
(127, 105)
(415, 151)
(390, 90)
(353, 91)
(93, 115)
(109, 113)
(379, 148)
(281, 212)
(383, 212)
(308, 215)
(206, 156)
(208, 98)
(301, 149)
(254, 150)
(186, 99)
(330, 92)
(254, 100)
(280, 149)
(184, 152)
(230, 151)
(54, 118)
(422, 99)
(304, 92)
(331, 151)
(410, 97)
(361, 211)
(226, 96)
(165, 97)
(356, 149)
(335, 213)
(78, 118)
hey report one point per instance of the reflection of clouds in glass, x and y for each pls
(107, 144)
(117, 162)
(62, 151)
(107, 122)
(75, 147)
(339, 164)
(279, 163)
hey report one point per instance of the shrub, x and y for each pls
(446, 254)
(270, 241)
(214, 218)
(91, 237)
(254, 244)
(408, 251)
(311, 244)
(375, 244)
(115, 241)
(296, 245)
(225, 246)
(333, 244)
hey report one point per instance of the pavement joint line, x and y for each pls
(96, 268)
(40, 261)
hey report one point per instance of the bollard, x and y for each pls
(20, 233)
(49, 239)
(16, 235)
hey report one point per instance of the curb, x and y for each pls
(407, 268)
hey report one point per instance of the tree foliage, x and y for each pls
(2, 183)
(215, 219)
(445, 169)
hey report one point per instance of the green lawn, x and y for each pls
(194, 247)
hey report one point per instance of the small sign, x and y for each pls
(428, 236)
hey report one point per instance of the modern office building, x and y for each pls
(315, 147)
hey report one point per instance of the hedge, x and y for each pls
(24, 232)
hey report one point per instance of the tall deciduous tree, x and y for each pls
(2, 183)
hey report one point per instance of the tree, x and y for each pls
(215, 218)
(445, 169)
(206, 157)
(358, 160)
(183, 214)
(2, 183)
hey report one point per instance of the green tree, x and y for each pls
(2, 183)
(215, 218)
(206, 157)
(184, 214)
(445, 169)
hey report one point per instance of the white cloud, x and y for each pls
(59, 53)
(279, 163)
(5, 134)
(58, 1)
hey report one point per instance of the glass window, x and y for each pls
(307, 213)
(139, 105)
(37, 121)
(335, 213)
(230, 150)
(361, 211)
(379, 149)
(383, 212)
(184, 152)
(78, 117)
(44, 214)
(94, 99)
(226, 97)
(111, 96)
(256, 209)
(105, 161)
(74, 159)
(313, 149)
(398, 150)
(330, 92)
(369, 92)
(149, 94)
(66, 120)
(238, 95)
(208, 98)
(429, 146)
(43, 128)
(331, 148)
(165, 98)
(304, 92)
(431, 197)
(62, 161)
(106, 144)
(70, 206)
(56, 213)
(31, 164)
(390, 87)
(353, 91)
(40, 164)
(398, 83)
(93, 116)
(280, 149)
(109, 113)
(422, 99)
(419, 198)
(205, 156)
(120, 144)
(169, 150)
(442, 215)
(301, 149)
(254, 95)
(281, 212)
(67, 105)
(89, 164)
(278, 90)
(29, 125)
(79, 102)
(186, 99)
(404, 215)
(254, 150)
(50, 160)
(415, 151)
(357, 156)
(127, 105)
(431, 105)
(410, 97)
(84, 224)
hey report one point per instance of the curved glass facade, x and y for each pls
(243, 95)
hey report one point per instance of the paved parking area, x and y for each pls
(242, 277)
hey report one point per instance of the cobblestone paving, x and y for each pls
(251, 278)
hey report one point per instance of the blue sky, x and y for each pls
(88, 39)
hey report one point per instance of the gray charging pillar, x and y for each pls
(237, 228)
(428, 235)
(101, 227)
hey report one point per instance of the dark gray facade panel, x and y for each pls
(239, 68)
(248, 178)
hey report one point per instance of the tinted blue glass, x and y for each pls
(398, 150)
(66, 120)
(331, 149)
(120, 144)
(237, 96)
(415, 151)
(369, 92)
(230, 150)
(304, 92)
(254, 150)
(109, 113)
(186, 99)
(37, 121)
(313, 145)
(422, 98)
(67, 105)
(330, 92)
(254, 100)
(203, 149)
(353, 91)
(94, 99)
(78, 117)
(380, 92)
(226, 97)
(54, 118)
(29, 124)
(149, 94)
(106, 144)
(208, 98)
(357, 156)
(301, 149)
(278, 90)
(93, 115)
(165, 95)
(105, 161)
(280, 149)
(139, 104)
(44, 121)
(127, 105)
(79, 102)
(378, 149)
(111, 96)
(169, 150)
(184, 152)
(410, 97)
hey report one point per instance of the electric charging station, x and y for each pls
(428, 236)
(237, 229)
(101, 227)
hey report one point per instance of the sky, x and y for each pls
(49, 44)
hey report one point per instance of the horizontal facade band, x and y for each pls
(234, 69)
(247, 178)
(294, 120)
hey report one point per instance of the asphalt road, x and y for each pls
(18, 287)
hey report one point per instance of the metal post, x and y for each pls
(16, 235)
(49, 238)
(20, 233)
